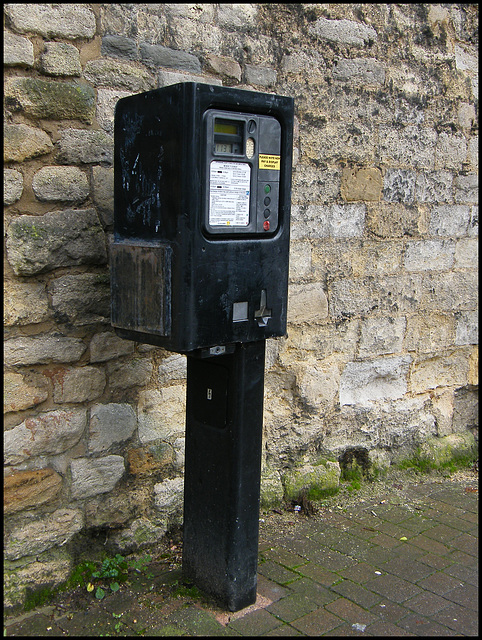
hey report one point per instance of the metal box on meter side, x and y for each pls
(202, 186)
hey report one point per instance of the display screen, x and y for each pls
(223, 147)
(224, 127)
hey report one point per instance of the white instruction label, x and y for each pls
(229, 194)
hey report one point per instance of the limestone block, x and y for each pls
(12, 186)
(169, 495)
(155, 55)
(91, 476)
(42, 349)
(161, 413)
(467, 253)
(318, 386)
(61, 59)
(431, 372)
(166, 78)
(467, 188)
(300, 260)
(349, 142)
(473, 229)
(434, 187)
(336, 221)
(36, 244)
(429, 255)
(313, 184)
(307, 303)
(85, 146)
(51, 100)
(48, 433)
(399, 185)
(343, 31)
(451, 151)
(224, 66)
(21, 142)
(361, 184)
(395, 220)
(40, 535)
(152, 457)
(413, 146)
(174, 367)
(140, 533)
(467, 328)
(447, 448)
(114, 510)
(466, 409)
(64, 184)
(454, 290)
(429, 332)
(382, 379)
(23, 391)
(62, 20)
(103, 194)
(27, 489)
(106, 102)
(360, 70)
(129, 374)
(107, 346)
(25, 303)
(17, 51)
(261, 76)
(110, 424)
(443, 409)
(81, 299)
(108, 72)
(78, 385)
(271, 488)
(381, 336)
(311, 478)
(119, 46)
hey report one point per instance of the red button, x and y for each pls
(266, 225)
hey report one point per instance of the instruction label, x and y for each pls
(269, 162)
(230, 184)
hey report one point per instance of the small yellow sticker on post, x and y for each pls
(269, 162)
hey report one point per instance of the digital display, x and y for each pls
(224, 127)
(223, 147)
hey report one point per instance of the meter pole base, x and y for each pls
(224, 423)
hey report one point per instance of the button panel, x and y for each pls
(268, 206)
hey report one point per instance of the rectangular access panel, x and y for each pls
(202, 186)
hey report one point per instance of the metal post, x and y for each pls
(224, 421)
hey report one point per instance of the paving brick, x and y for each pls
(427, 544)
(386, 629)
(466, 543)
(292, 607)
(464, 574)
(356, 593)
(254, 624)
(421, 626)
(427, 603)
(456, 618)
(439, 583)
(360, 572)
(442, 533)
(276, 572)
(317, 622)
(437, 562)
(412, 571)
(319, 574)
(393, 587)
(465, 595)
(316, 593)
(350, 611)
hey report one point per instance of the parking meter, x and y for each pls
(199, 265)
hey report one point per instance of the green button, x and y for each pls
(267, 188)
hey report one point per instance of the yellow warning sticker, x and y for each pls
(269, 162)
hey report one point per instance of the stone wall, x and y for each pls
(381, 352)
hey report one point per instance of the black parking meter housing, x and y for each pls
(202, 186)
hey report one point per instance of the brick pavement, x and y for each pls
(404, 562)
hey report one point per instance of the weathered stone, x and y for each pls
(467, 188)
(173, 367)
(51, 100)
(363, 70)
(103, 194)
(141, 533)
(430, 372)
(223, 66)
(166, 78)
(119, 46)
(362, 383)
(106, 102)
(361, 184)
(27, 489)
(110, 424)
(451, 151)
(84, 146)
(395, 220)
(129, 374)
(21, 142)
(466, 409)
(300, 260)
(411, 146)
(260, 76)
(42, 349)
(452, 290)
(36, 244)
(467, 328)
(114, 73)
(449, 448)
(168, 495)
(46, 434)
(237, 16)
(271, 488)
(64, 184)
(307, 303)
(23, 391)
(336, 221)
(61, 59)
(78, 385)
(343, 31)
(429, 333)
(311, 185)
(17, 51)
(399, 186)
(150, 457)
(155, 55)
(107, 346)
(317, 386)
(466, 116)
(81, 299)
(62, 20)
(161, 413)
(113, 510)
(352, 142)
(324, 476)
(38, 536)
(434, 187)
(429, 255)
(12, 186)
(91, 476)
(381, 336)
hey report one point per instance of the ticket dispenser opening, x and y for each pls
(202, 186)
